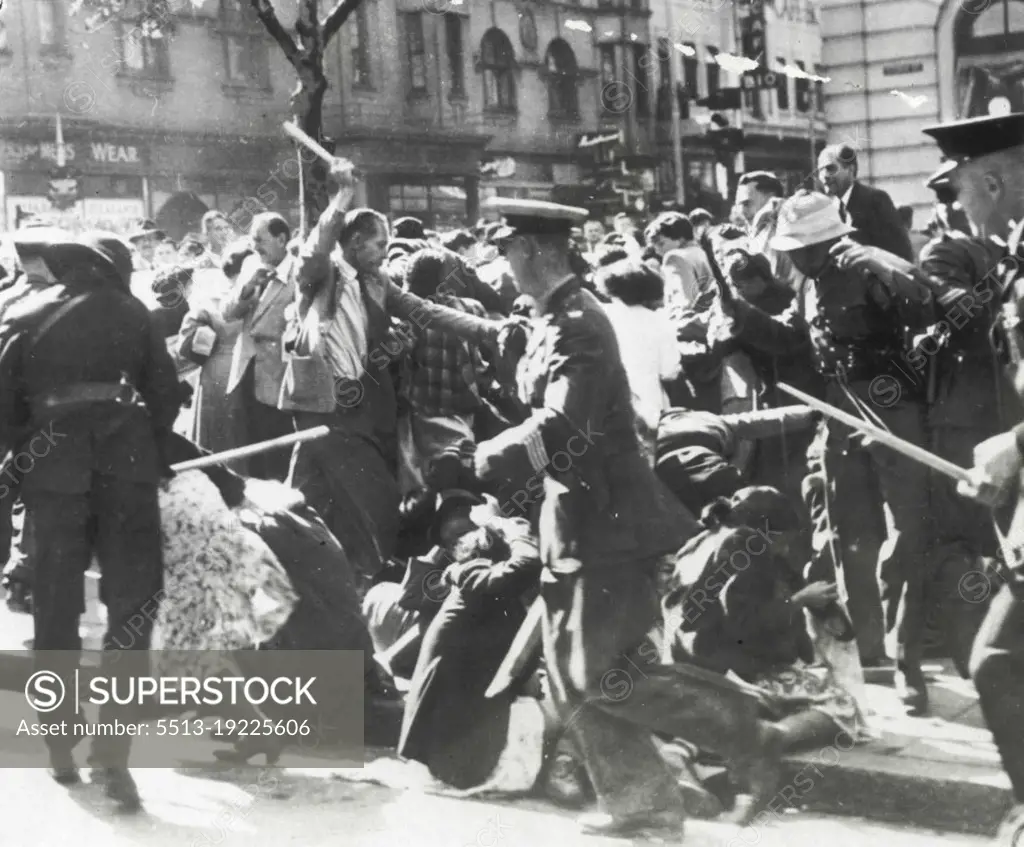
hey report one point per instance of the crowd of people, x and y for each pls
(558, 458)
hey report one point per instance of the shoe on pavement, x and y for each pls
(119, 786)
(665, 820)
(63, 769)
(912, 691)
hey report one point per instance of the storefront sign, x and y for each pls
(70, 219)
(902, 68)
(752, 29)
(118, 215)
(97, 152)
(109, 215)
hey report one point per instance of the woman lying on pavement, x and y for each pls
(737, 607)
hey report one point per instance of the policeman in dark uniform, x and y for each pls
(851, 315)
(604, 521)
(87, 391)
(33, 274)
(990, 160)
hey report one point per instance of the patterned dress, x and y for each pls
(224, 590)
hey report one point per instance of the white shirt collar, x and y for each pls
(846, 197)
(346, 268)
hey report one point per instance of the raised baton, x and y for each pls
(893, 442)
(307, 142)
(252, 449)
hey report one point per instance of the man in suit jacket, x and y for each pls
(260, 297)
(869, 210)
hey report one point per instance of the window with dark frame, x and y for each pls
(144, 57)
(245, 50)
(609, 77)
(691, 71)
(714, 72)
(456, 54)
(803, 90)
(781, 85)
(359, 44)
(416, 51)
(819, 91)
(641, 81)
(562, 73)
(497, 60)
(663, 107)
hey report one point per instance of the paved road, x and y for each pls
(253, 807)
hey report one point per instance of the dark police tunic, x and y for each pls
(87, 388)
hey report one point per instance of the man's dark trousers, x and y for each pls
(118, 521)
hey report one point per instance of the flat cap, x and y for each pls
(534, 217)
(975, 137)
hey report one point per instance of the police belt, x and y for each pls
(857, 362)
(83, 394)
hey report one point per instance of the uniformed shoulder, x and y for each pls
(580, 321)
(955, 252)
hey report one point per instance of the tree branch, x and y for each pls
(268, 17)
(337, 17)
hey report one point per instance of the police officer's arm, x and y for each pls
(575, 403)
(961, 273)
(158, 384)
(775, 335)
(422, 313)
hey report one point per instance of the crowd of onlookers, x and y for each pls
(408, 400)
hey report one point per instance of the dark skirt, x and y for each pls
(449, 725)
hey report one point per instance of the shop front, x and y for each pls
(108, 170)
(121, 176)
(434, 176)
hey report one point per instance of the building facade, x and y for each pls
(783, 126)
(447, 103)
(162, 128)
(439, 103)
(898, 66)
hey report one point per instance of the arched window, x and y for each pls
(990, 57)
(498, 62)
(562, 72)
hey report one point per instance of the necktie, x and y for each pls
(843, 213)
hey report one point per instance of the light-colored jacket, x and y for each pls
(263, 325)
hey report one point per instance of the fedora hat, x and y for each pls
(808, 218)
(145, 228)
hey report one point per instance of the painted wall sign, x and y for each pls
(902, 68)
(101, 152)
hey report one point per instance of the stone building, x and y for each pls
(783, 126)
(159, 128)
(898, 66)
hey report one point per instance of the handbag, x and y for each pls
(308, 384)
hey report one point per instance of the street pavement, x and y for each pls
(253, 807)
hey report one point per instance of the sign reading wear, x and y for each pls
(130, 157)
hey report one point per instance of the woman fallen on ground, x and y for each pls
(737, 607)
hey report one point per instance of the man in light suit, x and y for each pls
(260, 298)
(869, 210)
